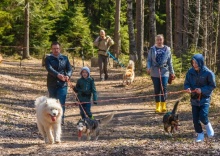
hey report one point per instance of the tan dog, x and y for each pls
(129, 73)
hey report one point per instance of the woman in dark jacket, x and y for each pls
(200, 82)
(59, 72)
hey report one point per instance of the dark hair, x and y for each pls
(55, 43)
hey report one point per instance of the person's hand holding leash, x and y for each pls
(188, 90)
(61, 77)
(148, 71)
(198, 91)
(67, 78)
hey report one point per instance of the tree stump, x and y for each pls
(94, 62)
(43, 59)
(1, 58)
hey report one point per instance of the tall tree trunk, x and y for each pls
(196, 24)
(140, 30)
(178, 35)
(211, 35)
(132, 44)
(218, 43)
(185, 25)
(26, 53)
(205, 29)
(216, 38)
(152, 22)
(117, 46)
(169, 38)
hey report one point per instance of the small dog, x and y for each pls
(49, 113)
(129, 73)
(90, 126)
(170, 119)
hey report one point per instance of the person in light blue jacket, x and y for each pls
(200, 82)
(159, 66)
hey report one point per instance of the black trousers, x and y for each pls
(103, 63)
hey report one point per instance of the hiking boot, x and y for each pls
(200, 137)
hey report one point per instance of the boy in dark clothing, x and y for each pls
(200, 82)
(85, 87)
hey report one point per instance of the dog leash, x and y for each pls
(161, 85)
(71, 86)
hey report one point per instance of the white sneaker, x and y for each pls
(200, 137)
(209, 130)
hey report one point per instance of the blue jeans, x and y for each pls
(58, 93)
(200, 114)
(158, 89)
(87, 109)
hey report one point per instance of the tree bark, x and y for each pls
(132, 43)
(218, 41)
(169, 38)
(26, 53)
(152, 22)
(196, 24)
(216, 38)
(185, 26)
(205, 29)
(178, 35)
(117, 39)
(140, 30)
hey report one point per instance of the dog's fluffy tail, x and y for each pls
(130, 65)
(107, 119)
(40, 100)
(175, 107)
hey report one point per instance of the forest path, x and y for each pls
(134, 130)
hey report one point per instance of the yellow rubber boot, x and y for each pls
(158, 107)
(164, 106)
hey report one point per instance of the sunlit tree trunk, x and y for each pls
(196, 23)
(140, 30)
(26, 53)
(169, 38)
(152, 22)
(178, 35)
(218, 42)
(132, 43)
(185, 25)
(117, 46)
(205, 29)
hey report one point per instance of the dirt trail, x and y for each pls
(135, 129)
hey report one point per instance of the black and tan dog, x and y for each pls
(89, 126)
(170, 119)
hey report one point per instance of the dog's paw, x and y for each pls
(58, 141)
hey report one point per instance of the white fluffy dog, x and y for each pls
(49, 113)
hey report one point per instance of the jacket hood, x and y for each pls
(87, 69)
(199, 59)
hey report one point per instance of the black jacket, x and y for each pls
(55, 66)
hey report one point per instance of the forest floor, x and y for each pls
(135, 129)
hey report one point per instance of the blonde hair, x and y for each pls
(159, 35)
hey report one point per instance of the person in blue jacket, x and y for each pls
(59, 72)
(160, 67)
(200, 82)
(85, 89)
